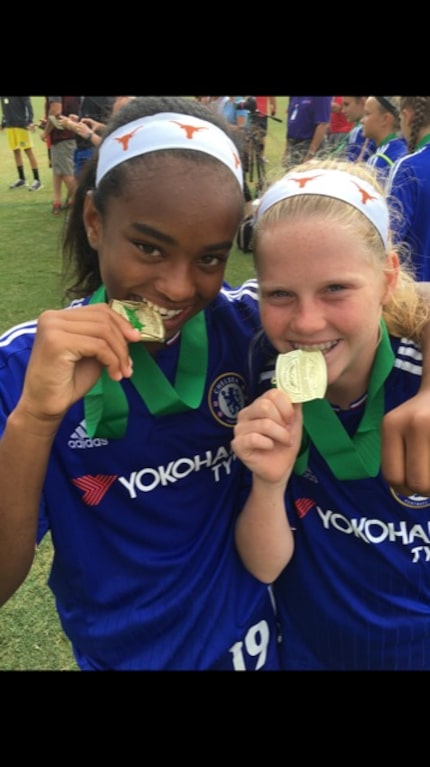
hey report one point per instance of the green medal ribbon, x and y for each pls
(360, 456)
(105, 405)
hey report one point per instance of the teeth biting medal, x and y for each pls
(302, 375)
(141, 316)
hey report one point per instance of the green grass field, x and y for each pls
(30, 271)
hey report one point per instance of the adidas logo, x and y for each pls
(310, 476)
(80, 439)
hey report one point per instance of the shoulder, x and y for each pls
(404, 167)
(356, 133)
(240, 305)
(322, 104)
(245, 293)
(78, 302)
(17, 341)
(408, 356)
(397, 144)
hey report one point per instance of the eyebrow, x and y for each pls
(151, 232)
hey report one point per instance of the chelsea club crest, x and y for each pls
(413, 501)
(227, 396)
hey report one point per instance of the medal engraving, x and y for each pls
(302, 375)
(141, 316)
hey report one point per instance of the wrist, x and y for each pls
(89, 135)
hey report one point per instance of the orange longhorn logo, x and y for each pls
(365, 196)
(125, 139)
(189, 129)
(304, 180)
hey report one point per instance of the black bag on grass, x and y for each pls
(245, 233)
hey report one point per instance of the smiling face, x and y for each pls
(321, 290)
(167, 239)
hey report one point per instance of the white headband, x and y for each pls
(331, 183)
(167, 130)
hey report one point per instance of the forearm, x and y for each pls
(53, 111)
(24, 455)
(263, 535)
(317, 138)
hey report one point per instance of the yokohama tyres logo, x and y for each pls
(94, 487)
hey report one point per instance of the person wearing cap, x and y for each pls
(381, 122)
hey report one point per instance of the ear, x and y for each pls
(391, 276)
(408, 116)
(92, 221)
(387, 118)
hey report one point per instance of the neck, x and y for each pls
(344, 396)
(386, 137)
(353, 383)
(425, 131)
(423, 140)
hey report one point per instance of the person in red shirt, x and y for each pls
(339, 126)
(266, 107)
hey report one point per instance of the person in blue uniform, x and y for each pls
(121, 446)
(409, 186)
(381, 123)
(356, 147)
(348, 555)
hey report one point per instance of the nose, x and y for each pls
(177, 283)
(308, 317)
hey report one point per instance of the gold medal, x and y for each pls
(141, 316)
(302, 375)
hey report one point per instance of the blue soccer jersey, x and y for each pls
(356, 594)
(409, 189)
(386, 155)
(357, 146)
(145, 571)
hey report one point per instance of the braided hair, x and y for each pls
(420, 106)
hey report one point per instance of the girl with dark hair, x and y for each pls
(117, 412)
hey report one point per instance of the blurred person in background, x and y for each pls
(381, 123)
(94, 108)
(62, 146)
(357, 146)
(308, 119)
(18, 122)
(339, 125)
(409, 185)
